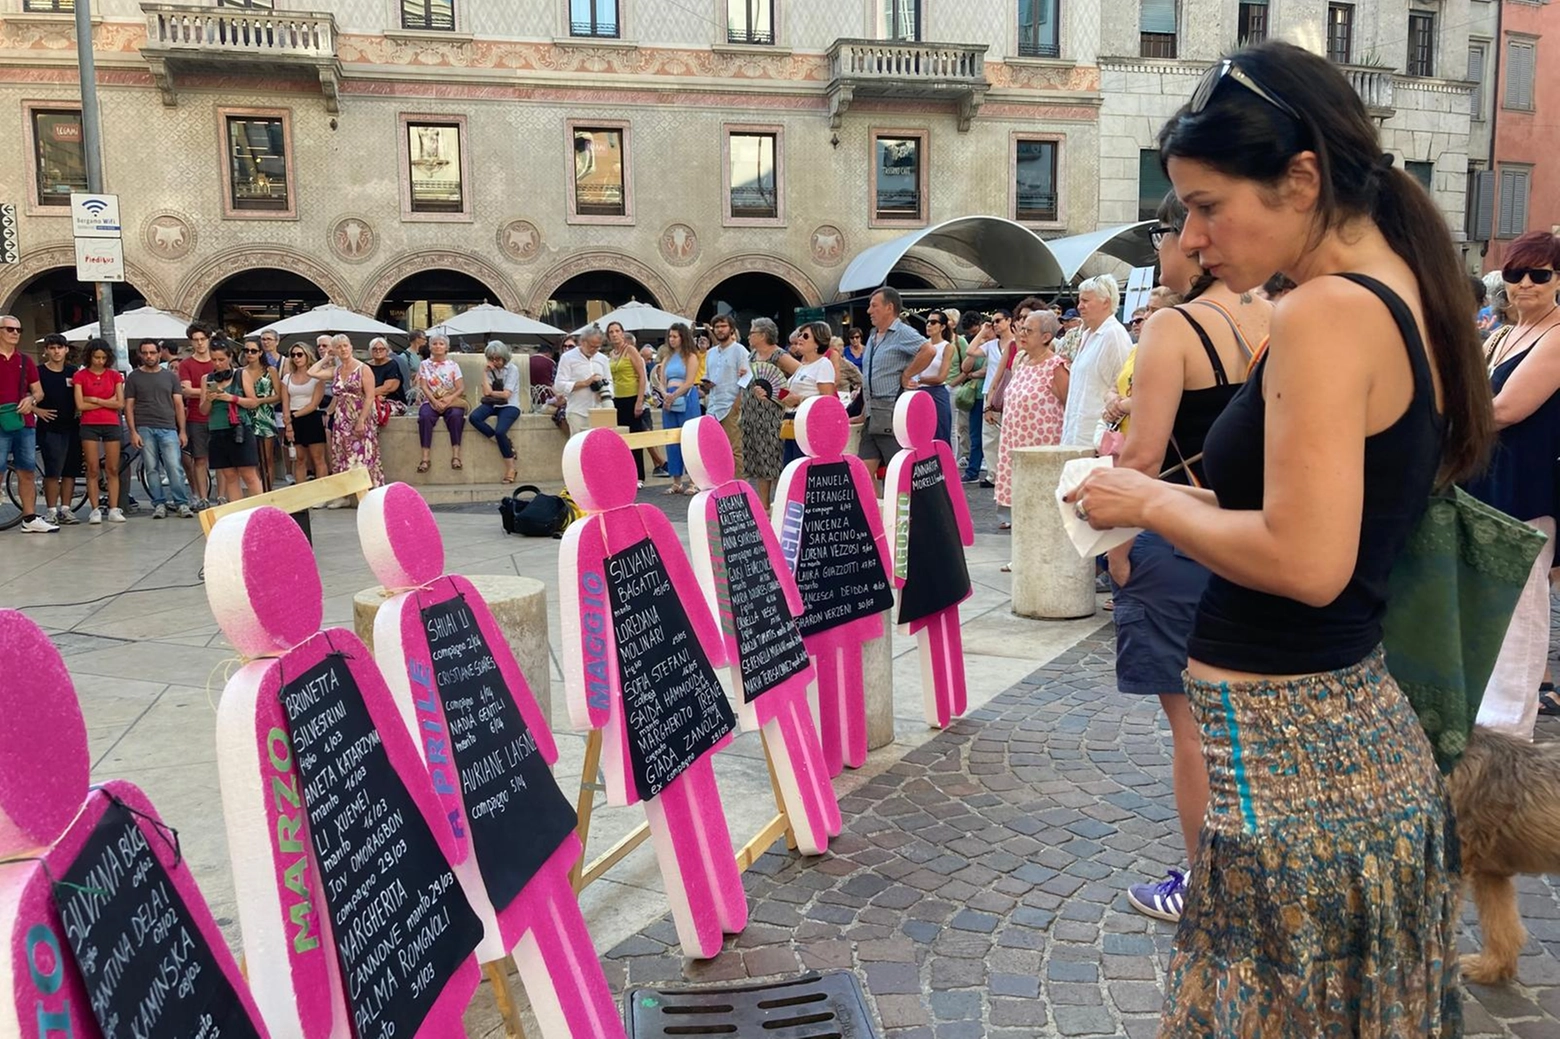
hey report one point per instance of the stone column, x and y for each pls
(1050, 580)
(518, 604)
(877, 674)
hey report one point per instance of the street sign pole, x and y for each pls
(92, 142)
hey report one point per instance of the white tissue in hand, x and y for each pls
(1087, 540)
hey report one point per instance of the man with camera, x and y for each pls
(584, 379)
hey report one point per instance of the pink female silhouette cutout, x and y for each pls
(640, 648)
(831, 535)
(727, 532)
(929, 527)
(48, 820)
(512, 823)
(282, 769)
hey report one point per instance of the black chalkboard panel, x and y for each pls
(402, 925)
(838, 566)
(936, 576)
(752, 603)
(147, 966)
(674, 705)
(517, 815)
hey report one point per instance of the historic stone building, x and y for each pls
(406, 157)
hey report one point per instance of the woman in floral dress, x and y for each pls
(1034, 399)
(354, 435)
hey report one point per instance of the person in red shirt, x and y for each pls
(100, 399)
(192, 376)
(20, 392)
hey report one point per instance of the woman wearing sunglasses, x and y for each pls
(1324, 897)
(1524, 366)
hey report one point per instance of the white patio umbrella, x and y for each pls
(638, 317)
(141, 323)
(329, 318)
(485, 321)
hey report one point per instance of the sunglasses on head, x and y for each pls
(1227, 69)
(1539, 275)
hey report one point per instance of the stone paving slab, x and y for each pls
(978, 889)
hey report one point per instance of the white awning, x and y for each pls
(1128, 243)
(1014, 256)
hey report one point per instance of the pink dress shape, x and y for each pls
(489, 753)
(640, 649)
(742, 571)
(1031, 416)
(348, 448)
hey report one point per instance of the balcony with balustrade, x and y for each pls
(907, 70)
(1376, 87)
(187, 38)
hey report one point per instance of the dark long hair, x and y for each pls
(1242, 135)
(1173, 214)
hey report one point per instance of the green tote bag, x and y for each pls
(1450, 599)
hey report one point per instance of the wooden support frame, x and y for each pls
(297, 497)
(662, 437)
(584, 875)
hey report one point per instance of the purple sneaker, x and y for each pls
(1162, 901)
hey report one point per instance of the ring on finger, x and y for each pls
(1081, 512)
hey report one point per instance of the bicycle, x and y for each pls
(11, 502)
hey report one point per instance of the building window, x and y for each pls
(752, 185)
(428, 15)
(1520, 58)
(257, 164)
(899, 178)
(1152, 184)
(750, 21)
(1421, 43)
(1477, 54)
(593, 18)
(902, 19)
(1253, 23)
(600, 172)
(433, 153)
(258, 5)
(1034, 182)
(1514, 184)
(1156, 29)
(61, 157)
(1424, 172)
(1340, 33)
(49, 7)
(1481, 204)
(1038, 35)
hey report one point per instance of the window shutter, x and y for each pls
(1476, 74)
(1484, 205)
(1508, 194)
(1158, 16)
(1519, 75)
(1520, 180)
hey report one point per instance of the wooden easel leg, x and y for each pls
(498, 977)
(774, 785)
(586, 803)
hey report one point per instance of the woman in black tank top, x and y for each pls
(1324, 898)
(1181, 383)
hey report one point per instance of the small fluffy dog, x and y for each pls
(1506, 797)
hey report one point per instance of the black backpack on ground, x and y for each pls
(532, 514)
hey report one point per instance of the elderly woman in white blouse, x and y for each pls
(1104, 349)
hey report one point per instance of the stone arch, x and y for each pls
(210, 273)
(603, 260)
(408, 264)
(755, 263)
(16, 276)
(928, 271)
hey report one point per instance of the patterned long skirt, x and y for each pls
(1324, 899)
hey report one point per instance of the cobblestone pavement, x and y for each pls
(978, 888)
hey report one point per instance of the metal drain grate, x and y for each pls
(818, 1005)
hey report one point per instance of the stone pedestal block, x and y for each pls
(519, 605)
(877, 672)
(1050, 580)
